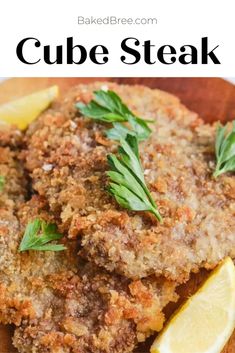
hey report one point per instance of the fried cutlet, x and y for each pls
(61, 303)
(58, 302)
(14, 189)
(93, 311)
(66, 156)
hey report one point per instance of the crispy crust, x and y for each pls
(62, 303)
(93, 311)
(14, 189)
(66, 157)
(59, 302)
(11, 198)
(10, 136)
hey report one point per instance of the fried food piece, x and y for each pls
(14, 182)
(93, 311)
(12, 195)
(66, 156)
(10, 136)
(62, 305)
(58, 303)
(22, 274)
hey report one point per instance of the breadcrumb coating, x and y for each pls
(14, 188)
(112, 295)
(66, 156)
(93, 311)
(59, 302)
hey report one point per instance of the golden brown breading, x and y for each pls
(66, 156)
(22, 274)
(61, 304)
(10, 135)
(93, 311)
(14, 189)
(12, 195)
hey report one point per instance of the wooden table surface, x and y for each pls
(212, 98)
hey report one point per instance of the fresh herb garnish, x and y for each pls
(127, 182)
(37, 236)
(127, 179)
(109, 108)
(225, 150)
(2, 182)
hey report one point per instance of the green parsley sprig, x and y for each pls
(109, 108)
(2, 182)
(224, 150)
(127, 183)
(37, 236)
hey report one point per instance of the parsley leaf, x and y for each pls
(2, 182)
(37, 236)
(224, 150)
(127, 183)
(109, 108)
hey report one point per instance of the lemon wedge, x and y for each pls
(206, 321)
(24, 110)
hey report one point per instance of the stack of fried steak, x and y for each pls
(107, 291)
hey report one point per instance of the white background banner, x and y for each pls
(151, 24)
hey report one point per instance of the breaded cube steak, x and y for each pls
(58, 302)
(66, 156)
